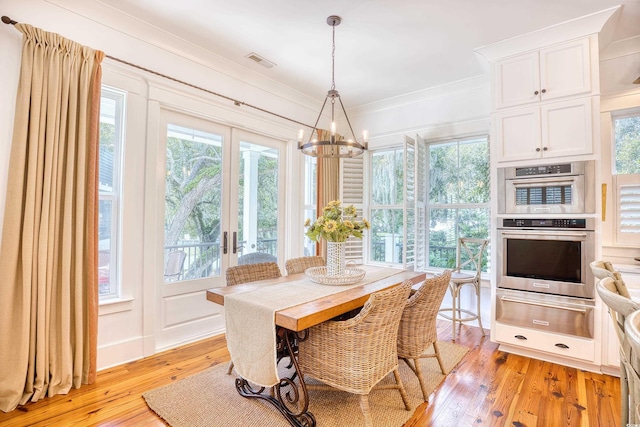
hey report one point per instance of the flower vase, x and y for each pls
(335, 258)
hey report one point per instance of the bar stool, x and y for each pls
(470, 250)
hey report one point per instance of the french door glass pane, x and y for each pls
(258, 204)
(193, 198)
(386, 235)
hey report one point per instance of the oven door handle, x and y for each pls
(535, 183)
(540, 233)
(560, 307)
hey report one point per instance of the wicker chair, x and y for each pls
(472, 250)
(604, 269)
(251, 273)
(299, 265)
(615, 295)
(632, 332)
(355, 354)
(417, 330)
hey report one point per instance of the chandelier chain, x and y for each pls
(333, 60)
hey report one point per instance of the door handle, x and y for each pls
(224, 243)
(235, 242)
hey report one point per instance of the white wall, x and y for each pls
(456, 109)
(127, 329)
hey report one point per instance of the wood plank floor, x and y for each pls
(488, 387)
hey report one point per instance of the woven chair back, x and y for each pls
(300, 265)
(252, 272)
(417, 329)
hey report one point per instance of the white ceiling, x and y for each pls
(384, 48)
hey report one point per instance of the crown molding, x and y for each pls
(568, 30)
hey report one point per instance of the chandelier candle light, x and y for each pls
(335, 145)
(336, 225)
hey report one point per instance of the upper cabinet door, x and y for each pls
(517, 80)
(565, 70)
(558, 71)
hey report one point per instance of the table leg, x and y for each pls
(290, 395)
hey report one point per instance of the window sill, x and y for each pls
(115, 305)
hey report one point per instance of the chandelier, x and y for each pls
(332, 144)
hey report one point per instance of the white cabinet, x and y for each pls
(570, 347)
(550, 130)
(551, 73)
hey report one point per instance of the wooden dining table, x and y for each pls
(291, 324)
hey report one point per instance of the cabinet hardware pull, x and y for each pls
(544, 91)
(538, 149)
(542, 304)
(560, 345)
(545, 148)
(520, 337)
(235, 242)
(533, 182)
(225, 242)
(536, 92)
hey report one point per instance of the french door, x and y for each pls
(221, 205)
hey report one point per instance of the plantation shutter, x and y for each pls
(353, 194)
(421, 228)
(409, 232)
(627, 209)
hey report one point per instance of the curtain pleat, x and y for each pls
(328, 178)
(48, 252)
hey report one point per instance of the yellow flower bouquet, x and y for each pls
(336, 224)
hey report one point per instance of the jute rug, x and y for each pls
(210, 399)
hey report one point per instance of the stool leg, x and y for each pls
(454, 312)
(478, 291)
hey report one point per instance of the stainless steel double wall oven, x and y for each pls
(544, 281)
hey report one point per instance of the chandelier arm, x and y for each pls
(348, 121)
(315, 125)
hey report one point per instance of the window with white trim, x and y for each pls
(626, 176)
(112, 114)
(310, 199)
(387, 205)
(458, 197)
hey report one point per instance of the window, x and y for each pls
(310, 199)
(458, 198)
(387, 205)
(626, 176)
(112, 112)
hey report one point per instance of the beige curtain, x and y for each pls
(328, 179)
(48, 251)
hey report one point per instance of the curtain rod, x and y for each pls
(10, 21)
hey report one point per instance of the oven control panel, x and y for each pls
(579, 223)
(544, 170)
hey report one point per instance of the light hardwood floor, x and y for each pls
(488, 387)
